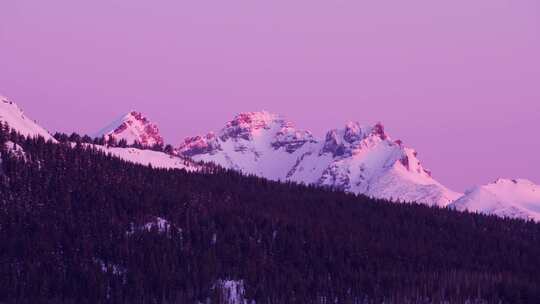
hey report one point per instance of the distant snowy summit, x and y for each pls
(515, 198)
(133, 127)
(358, 159)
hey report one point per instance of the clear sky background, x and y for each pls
(457, 80)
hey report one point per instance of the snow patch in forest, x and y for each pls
(232, 292)
(158, 224)
(110, 267)
(15, 149)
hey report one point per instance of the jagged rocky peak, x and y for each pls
(353, 132)
(196, 145)
(246, 125)
(291, 139)
(282, 133)
(248, 128)
(133, 127)
(356, 158)
(342, 142)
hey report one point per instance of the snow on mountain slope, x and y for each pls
(356, 159)
(148, 157)
(14, 116)
(132, 127)
(516, 198)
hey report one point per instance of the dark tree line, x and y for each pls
(110, 142)
(68, 234)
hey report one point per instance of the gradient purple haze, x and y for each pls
(457, 80)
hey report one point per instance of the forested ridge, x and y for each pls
(70, 232)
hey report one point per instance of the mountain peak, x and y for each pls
(378, 130)
(248, 124)
(505, 197)
(255, 120)
(11, 114)
(196, 145)
(249, 131)
(257, 115)
(133, 126)
(6, 102)
(136, 115)
(342, 142)
(354, 131)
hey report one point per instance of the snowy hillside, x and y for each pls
(133, 127)
(148, 157)
(14, 116)
(356, 158)
(517, 198)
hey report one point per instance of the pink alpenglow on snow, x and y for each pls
(455, 79)
(515, 198)
(357, 158)
(133, 127)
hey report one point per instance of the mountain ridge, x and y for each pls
(355, 158)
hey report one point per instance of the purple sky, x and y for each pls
(457, 80)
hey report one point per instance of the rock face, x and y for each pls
(11, 114)
(133, 127)
(515, 198)
(356, 158)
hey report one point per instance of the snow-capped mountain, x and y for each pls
(356, 158)
(14, 116)
(133, 127)
(516, 198)
(258, 143)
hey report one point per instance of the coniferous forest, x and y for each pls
(74, 228)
